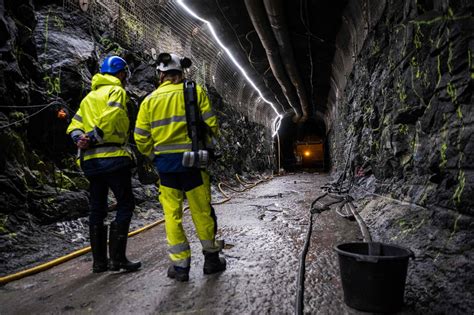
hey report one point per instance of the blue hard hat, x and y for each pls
(112, 65)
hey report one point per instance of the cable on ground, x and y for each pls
(314, 209)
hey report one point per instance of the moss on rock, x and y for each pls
(81, 183)
(63, 181)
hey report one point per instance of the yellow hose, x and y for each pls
(85, 250)
(242, 182)
(231, 188)
(45, 266)
(60, 260)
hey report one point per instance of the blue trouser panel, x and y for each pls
(120, 183)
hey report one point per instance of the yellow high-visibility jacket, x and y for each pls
(161, 123)
(104, 108)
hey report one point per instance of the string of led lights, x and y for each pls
(242, 70)
(171, 26)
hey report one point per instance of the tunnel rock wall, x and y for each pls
(48, 56)
(406, 110)
(45, 62)
(358, 18)
(401, 130)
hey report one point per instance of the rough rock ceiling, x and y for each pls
(312, 26)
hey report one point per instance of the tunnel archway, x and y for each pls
(302, 145)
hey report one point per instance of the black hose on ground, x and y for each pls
(301, 271)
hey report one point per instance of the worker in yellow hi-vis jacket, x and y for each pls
(100, 130)
(162, 133)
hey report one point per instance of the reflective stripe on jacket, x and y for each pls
(161, 122)
(104, 108)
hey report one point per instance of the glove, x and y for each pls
(75, 138)
(95, 136)
(83, 141)
(91, 137)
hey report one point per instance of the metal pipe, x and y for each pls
(276, 16)
(256, 11)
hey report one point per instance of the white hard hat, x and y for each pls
(167, 62)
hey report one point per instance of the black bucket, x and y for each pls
(373, 282)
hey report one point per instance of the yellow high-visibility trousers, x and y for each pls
(196, 186)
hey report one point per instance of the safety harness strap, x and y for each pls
(193, 118)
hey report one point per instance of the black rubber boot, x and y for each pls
(98, 236)
(179, 273)
(213, 263)
(117, 247)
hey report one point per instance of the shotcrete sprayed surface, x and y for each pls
(264, 230)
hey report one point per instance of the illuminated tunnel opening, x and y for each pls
(303, 145)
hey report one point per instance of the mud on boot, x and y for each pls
(98, 238)
(213, 263)
(118, 246)
(179, 273)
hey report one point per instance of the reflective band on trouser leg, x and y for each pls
(210, 246)
(180, 255)
(172, 202)
(183, 263)
(199, 200)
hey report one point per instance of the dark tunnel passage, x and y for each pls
(302, 146)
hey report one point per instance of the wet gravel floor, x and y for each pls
(264, 229)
